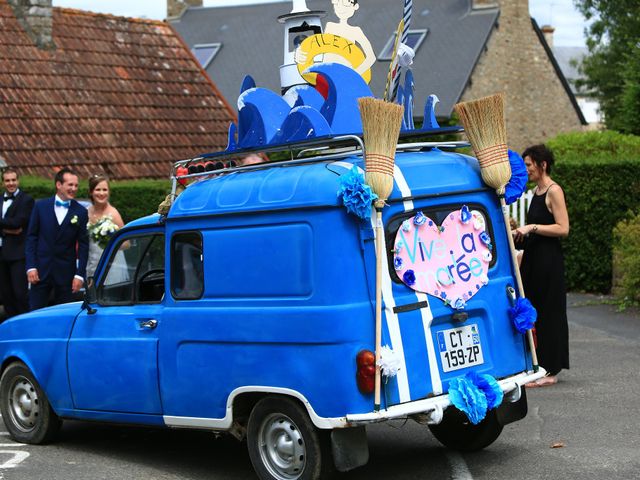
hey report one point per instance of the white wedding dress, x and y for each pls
(119, 272)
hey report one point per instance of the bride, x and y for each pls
(99, 209)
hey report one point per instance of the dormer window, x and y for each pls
(414, 40)
(205, 53)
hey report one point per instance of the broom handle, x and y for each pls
(514, 259)
(379, 251)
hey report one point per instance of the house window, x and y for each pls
(414, 40)
(205, 53)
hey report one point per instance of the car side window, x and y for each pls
(187, 270)
(135, 272)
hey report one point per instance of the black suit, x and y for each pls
(13, 276)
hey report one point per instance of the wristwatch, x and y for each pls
(535, 228)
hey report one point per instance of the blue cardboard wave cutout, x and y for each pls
(300, 95)
(261, 112)
(345, 87)
(303, 123)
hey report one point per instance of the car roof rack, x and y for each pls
(334, 147)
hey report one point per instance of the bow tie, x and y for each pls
(9, 196)
(63, 204)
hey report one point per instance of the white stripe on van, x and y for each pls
(393, 325)
(425, 312)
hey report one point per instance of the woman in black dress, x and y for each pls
(542, 265)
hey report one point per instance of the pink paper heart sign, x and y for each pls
(450, 261)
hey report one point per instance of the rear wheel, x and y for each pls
(284, 444)
(25, 409)
(458, 433)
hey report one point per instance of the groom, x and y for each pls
(57, 244)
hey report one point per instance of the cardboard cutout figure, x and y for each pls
(344, 10)
(340, 43)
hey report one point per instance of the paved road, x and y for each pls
(593, 415)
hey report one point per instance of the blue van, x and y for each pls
(249, 309)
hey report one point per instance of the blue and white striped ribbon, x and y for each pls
(406, 16)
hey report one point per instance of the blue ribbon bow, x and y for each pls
(63, 204)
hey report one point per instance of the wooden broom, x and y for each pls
(381, 122)
(484, 123)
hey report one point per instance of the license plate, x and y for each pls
(460, 348)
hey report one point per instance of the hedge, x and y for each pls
(133, 199)
(600, 175)
(626, 260)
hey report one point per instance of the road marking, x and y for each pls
(459, 469)
(17, 457)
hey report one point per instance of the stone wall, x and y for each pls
(515, 62)
(176, 7)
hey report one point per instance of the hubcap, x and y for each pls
(282, 447)
(24, 406)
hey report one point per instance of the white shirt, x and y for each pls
(61, 212)
(5, 206)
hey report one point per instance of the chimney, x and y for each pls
(480, 4)
(36, 17)
(175, 8)
(548, 30)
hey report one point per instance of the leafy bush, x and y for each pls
(600, 175)
(626, 257)
(133, 199)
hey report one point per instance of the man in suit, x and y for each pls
(57, 244)
(15, 210)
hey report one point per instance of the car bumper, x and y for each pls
(430, 410)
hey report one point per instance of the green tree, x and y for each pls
(612, 68)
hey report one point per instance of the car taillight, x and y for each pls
(366, 372)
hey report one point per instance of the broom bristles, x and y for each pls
(381, 122)
(484, 124)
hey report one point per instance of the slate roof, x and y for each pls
(118, 95)
(565, 57)
(252, 42)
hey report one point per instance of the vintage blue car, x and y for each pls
(249, 308)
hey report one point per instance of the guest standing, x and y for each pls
(100, 209)
(542, 265)
(15, 210)
(57, 244)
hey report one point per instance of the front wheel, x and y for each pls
(25, 409)
(458, 433)
(284, 444)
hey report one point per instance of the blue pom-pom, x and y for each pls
(409, 278)
(356, 195)
(489, 386)
(523, 315)
(468, 398)
(518, 182)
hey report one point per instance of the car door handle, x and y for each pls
(149, 324)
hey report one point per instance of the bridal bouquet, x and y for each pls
(101, 231)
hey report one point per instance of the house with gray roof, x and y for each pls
(569, 60)
(465, 49)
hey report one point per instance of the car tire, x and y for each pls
(458, 433)
(284, 444)
(25, 408)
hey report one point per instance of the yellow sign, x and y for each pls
(335, 49)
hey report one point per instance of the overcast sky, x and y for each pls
(561, 14)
